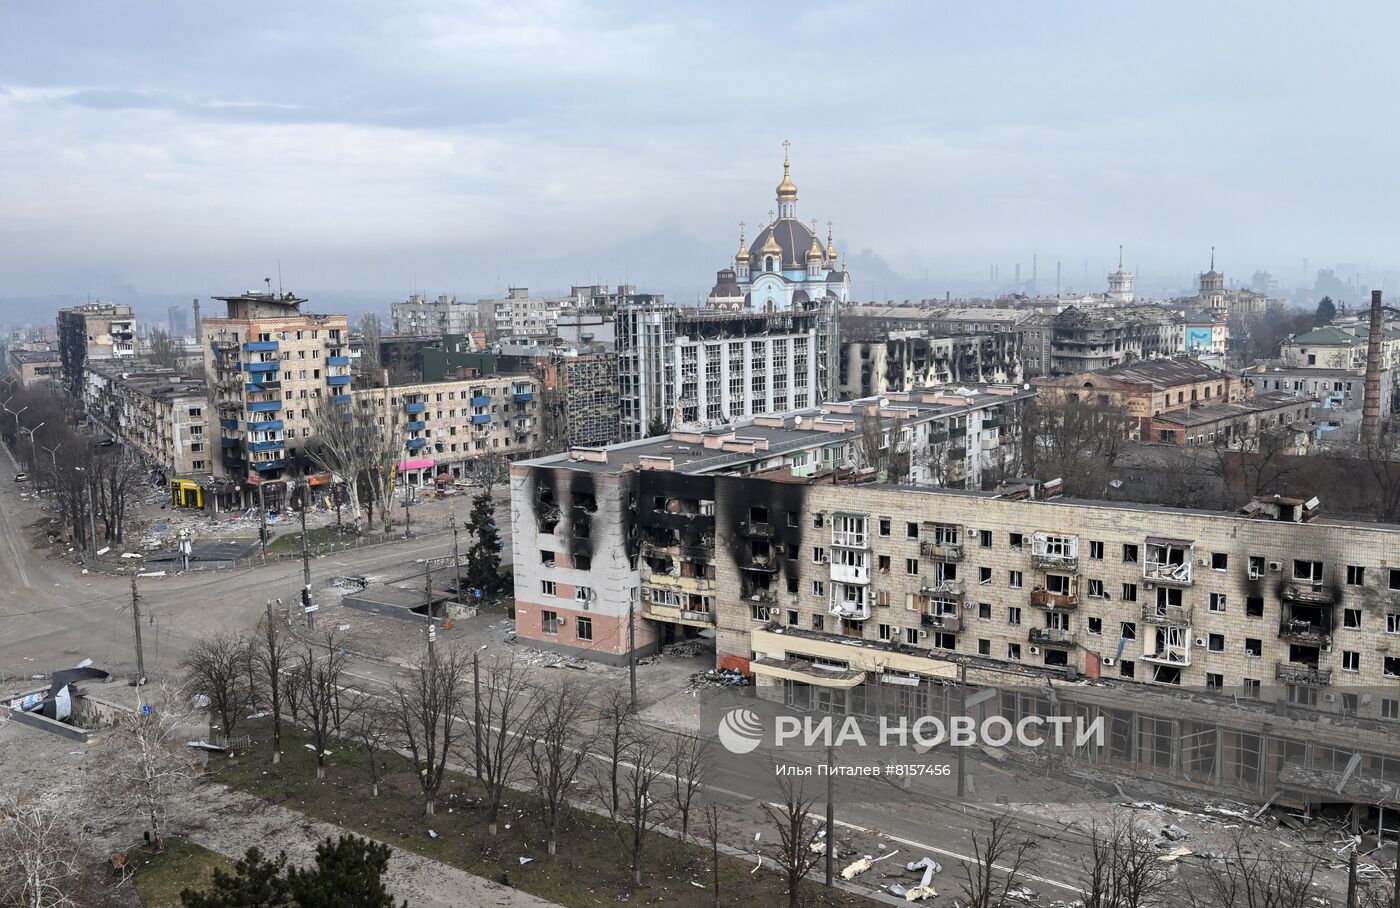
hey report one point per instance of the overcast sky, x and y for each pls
(188, 147)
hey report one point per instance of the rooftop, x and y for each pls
(1159, 373)
(34, 356)
(1261, 403)
(760, 438)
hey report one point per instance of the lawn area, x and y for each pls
(317, 537)
(591, 868)
(160, 876)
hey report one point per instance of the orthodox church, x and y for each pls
(786, 268)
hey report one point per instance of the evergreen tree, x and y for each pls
(255, 882)
(348, 874)
(656, 427)
(484, 556)
(1326, 311)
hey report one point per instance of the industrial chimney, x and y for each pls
(1371, 406)
(198, 322)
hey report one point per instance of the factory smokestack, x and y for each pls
(1371, 407)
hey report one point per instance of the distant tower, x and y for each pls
(1120, 283)
(787, 189)
(1211, 292)
(198, 320)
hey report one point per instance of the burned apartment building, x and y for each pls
(593, 526)
(153, 410)
(911, 360)
(90, 332)
(1254, 651)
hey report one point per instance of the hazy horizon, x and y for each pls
(465, 148)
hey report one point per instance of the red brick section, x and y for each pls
(736, 663)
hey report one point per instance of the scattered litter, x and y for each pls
(717, 677)
(432, 834)
(1174, 855)
(685, 650)
(104, 550)
(524, 860)
(1175, 833)
(151, 574)
(205, 745)
(130, 555)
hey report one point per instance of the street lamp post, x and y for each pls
(33, 455)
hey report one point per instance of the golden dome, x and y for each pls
(771, 247)
(743, 254)
(816, 251)
(830, 246)
(787, 189)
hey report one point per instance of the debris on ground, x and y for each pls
(717, 677)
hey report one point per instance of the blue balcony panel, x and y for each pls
(337, 360)
(271, 366)
(481, 401)
(230, 442)
(260, 347)
(262, 466)
(341, 398)
(229, 423)
(524, 396)
(414, 408)
(265, 406)
(337, 380)
(481, 418)
(417, 426)
(251, 388)
(416, 443)
(265, 425)
(258, 447)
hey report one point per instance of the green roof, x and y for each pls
(1328, 336)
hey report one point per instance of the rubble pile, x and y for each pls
(716, 677)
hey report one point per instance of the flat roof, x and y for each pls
(1196, 416)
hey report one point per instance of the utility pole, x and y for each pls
(407, 511)
(632, 651)
(136, 625)
(962, 711)
(428, 605)
(262, 520)
(830, 815)
(456, 563)
(476, 710)
(1351, 880)
(305, 553)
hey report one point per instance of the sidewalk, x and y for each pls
(231, 821)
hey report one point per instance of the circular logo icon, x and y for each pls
(740, 731)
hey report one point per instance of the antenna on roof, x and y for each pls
(279, 277)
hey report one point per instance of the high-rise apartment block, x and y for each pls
(91, 332)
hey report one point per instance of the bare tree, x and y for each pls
(1122, 868)
(216, 669)
(370, 332)
(41, 850)
(1247, 878)
(883, 449)
(340, 449)
(645, 761)
(270, 656)
(146, 770)
(325, 702)
(383, 450)
(499, 739)
(426, 705)
(616, 730)
(690, 770)
(1075, 439)
(487, 472)
(793, 820)
(117, 474)
(712, 815)
(1000, 855)
(375, 730)
(163, 350)
(558, 746)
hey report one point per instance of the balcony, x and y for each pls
(1173, 615)
(676, 615)
(263, 425)
(688, 552)
(341, 399)
(481, 401)
(850, 539)
(524, 397)
(262, 466)
(677, 582)
(767, 564)
(1052, 636)
(223, 346)
(258, 447)
(756, 529)
(1167, 573)
(851, 611)
(942, 589)
(260, 347)
(1306, 633)
(950, 623)
(948, 551)
(265, 406)
(337, 360)
(336, 381)
(228, 423)
(415, 443)
(417, 426)
(1049, 561)
(412, 407)
(850, 573)
(1301, 673)
(1180, 657)
(1308, 593)
(269, 366)
(334, 341)
(481, 419)
(1054, 601)
(231, 442)
(991, 423)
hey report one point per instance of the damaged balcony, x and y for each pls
(806, 672)
(1169, 646)
(1052, 636)
(1168, 561)
(1173, 615)
(756, 529)
(849, 531)
(1307, 593)
(951, 551)
(945, 621)
(1055, 552)
(849, 601)
(1302, 673)
(674, 614)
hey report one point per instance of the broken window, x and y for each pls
(1307, 571)
(1254, 606)
(1253, 647)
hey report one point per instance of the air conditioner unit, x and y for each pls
(1275, 566)
(1329, 698)
(922, 633)
(1035, 651)
(1109, 660)
(968, 606)
(1200, 641)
